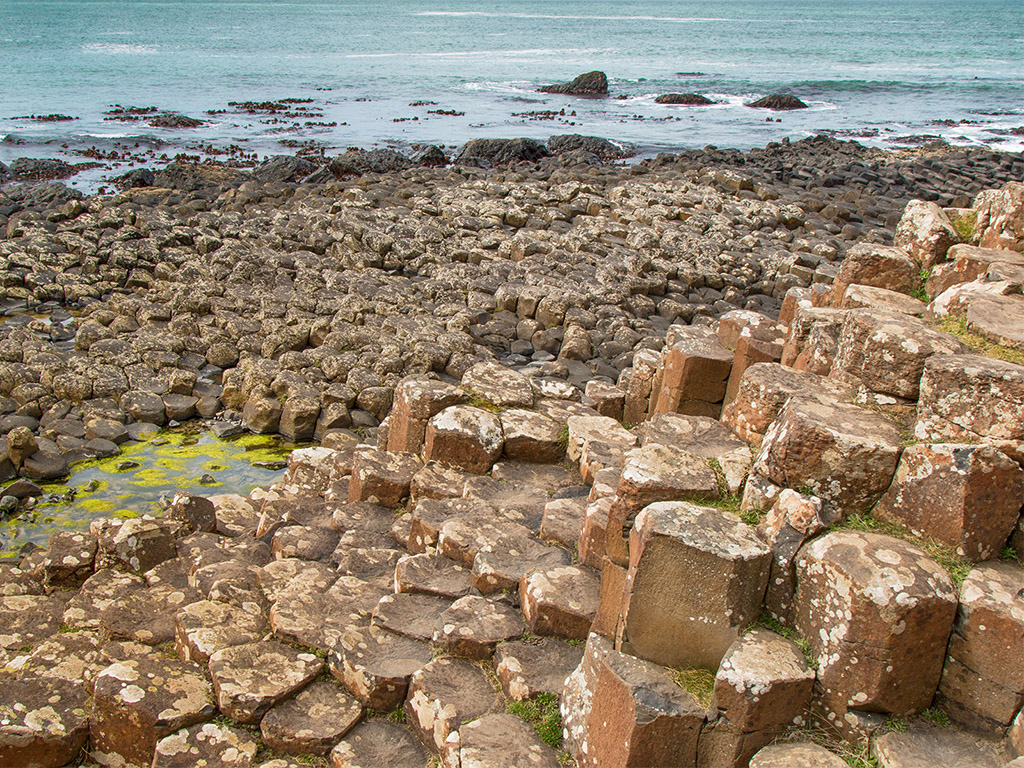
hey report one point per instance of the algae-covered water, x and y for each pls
(134, 482)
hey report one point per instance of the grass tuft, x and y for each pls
(563, 437)
(936, 717)
(964, 225)
(822, 734)
(542, 713)
(957, 326)
(697, 681)
(954, 564)
(397, 716)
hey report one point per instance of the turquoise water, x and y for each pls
(877, 69)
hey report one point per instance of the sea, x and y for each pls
(269, 77)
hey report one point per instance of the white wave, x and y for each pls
(468, 54)
(119, 49)
(581, 17)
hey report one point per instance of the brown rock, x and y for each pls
(966, 496)
(377, 743)
(531, 436)
(794, 755)
(925, 233)
(26, 620)
(416, 401)
(722, 567)
(249, 679)
(920, 745)
(499, 385)
(845, 455)
(376, 665)
(967, 397)
(69, 559)
(877, 612)
(563, 520)
(560, 600)
(208, 745)
(474, 625)
(383, 476)
(639, 716)
(527, 668)
(887, 351)
(763, 392)
(312, 722)
(609, 400)
(813, 339)
(464, 437)
(205, 627)
(696, 371)
(136, 702)
(498, 741)
(878, 266)
(987, 644)
(443, 695)
(793, 520)
(432, 574)
(44, 722)
(1000, 222)
(412, 615)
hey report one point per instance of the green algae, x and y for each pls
(136, 481)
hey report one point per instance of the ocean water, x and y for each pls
(886, 72)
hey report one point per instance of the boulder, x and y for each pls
(778, 101)
(925, 233)
(966, 496)
(208, 745)
(472, 626)
(382, 475)
(488, 152)
(695, 374)
(764, 390)
(44, 722)
(639, 716)
(845, 455)
(312, 722)
(498, 741)
(919, 744)
(886, 351)
(793, 755)
(1000, 218)
(594, 145)
(249, 679)
(283, 168)
(877, 266)
(498, 385)
(376, 665)
(377, 743)
(696, 577)
(970, 398)
(813, 339)
(464, 437)
(588, 84)
(793, 519)
(69, 559)
(357, 162)
(686, 99)
(138, 701)
(560, 600)
(877, 612)
(415, 402)
(527, 668)
(982, 683)
(443, 695)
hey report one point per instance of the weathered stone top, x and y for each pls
(996, 586)
(702, 528)
(880, 568)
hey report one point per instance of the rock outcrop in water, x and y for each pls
(778, 101)
(691, 452)
(686, 99)
(588, 84)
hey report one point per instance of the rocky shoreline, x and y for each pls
(695, 462)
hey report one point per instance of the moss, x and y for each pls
(397, 716)
(954, 564)
(957, 326)
(479, 401)
(542, 713)
(697, 681)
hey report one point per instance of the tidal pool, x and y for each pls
(134, 482)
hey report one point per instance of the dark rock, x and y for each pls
(190, 177)
(604, 149)
(501, 151)
(588, 84)
(139, 177)
(175, 120)
(778, 101)
(27, 168)
(356, 162)
(686, 99)
(431, 156)
(283, 168)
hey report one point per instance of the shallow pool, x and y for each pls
(134, 482)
